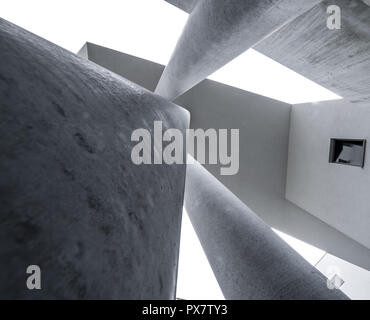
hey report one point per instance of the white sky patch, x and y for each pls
(196, 280)
(147, 29)
(252, 71)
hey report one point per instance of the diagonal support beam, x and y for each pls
(249, 260)
(217, 32)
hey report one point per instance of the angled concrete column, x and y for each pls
(71, 200)
(249, 260)
(217, 32)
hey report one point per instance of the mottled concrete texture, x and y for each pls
(217, 32)
(248, 259)
(337, 59)
(71, 200)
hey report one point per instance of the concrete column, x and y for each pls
(217, 32)
(71, 200)
(249, 260)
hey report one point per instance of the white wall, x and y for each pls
(337, 194)
(263, 125)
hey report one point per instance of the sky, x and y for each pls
(146, 28)
(195, 280)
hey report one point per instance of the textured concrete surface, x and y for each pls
(71, 200)
(249, 260)
(336, 59)
(217, 32)
(264, 127)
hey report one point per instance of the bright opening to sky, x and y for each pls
(149, 29)
(196, 280)
(252, 71)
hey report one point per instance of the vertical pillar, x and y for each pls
(72, 201)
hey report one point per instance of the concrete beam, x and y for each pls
(249, 260)
(71, 200)
(336, 59)
(217, 32)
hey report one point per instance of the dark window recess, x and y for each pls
(347, 151)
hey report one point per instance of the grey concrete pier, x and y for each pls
(217, 32)
(249, 260)
(71, 200)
